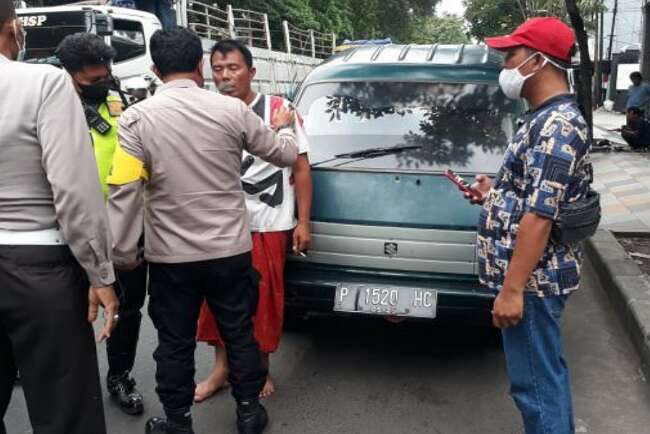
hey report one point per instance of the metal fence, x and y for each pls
(210, 21)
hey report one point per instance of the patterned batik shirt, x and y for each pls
(547, 164)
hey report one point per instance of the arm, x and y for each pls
(78, 200)
(279, 149)
(126, 187)
(304, 191)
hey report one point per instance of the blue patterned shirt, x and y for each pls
(546, 164)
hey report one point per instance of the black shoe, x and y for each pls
(252, 421)
(123, 391)
(156, 425)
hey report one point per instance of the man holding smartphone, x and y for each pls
(546, 166)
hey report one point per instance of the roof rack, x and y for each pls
(459, 55)
(350, 54)
(432, 52)
(377, 52)
(404, 52)
(486, 55)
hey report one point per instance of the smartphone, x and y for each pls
(462, 185)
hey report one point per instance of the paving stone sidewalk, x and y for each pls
(622, 179)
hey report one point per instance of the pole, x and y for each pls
(312, 40)
(611, 34)
(645, 42)
(267, 31)
(231, 22)
(597, 65)
(287, 39)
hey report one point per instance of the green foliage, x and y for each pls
(349, 19)
(492, 17)
(498, 17)
(449, 29)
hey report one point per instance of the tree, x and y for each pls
(585, 81)
(500, 17)
(492, 17)
(448, 29)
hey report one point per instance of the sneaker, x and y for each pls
(123, 392)
(253, 420)
(156, 425)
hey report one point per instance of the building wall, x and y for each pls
(628, 26)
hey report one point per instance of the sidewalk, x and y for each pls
(622, 179)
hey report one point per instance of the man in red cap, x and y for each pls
(545, 167)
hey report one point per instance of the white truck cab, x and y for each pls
(127, 30)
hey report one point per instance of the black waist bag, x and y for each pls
(578, 220)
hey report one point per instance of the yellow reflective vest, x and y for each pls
(105, 144)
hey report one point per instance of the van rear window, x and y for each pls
(463, 126)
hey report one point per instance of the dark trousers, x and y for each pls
(44, 333)
(162, 9)
(176, 292)
(131, 289)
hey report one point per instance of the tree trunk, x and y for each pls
(585, 76)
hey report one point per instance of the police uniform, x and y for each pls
(54, 241)
(130, 286)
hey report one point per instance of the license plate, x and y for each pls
(385, 300)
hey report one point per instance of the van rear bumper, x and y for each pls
(310, 288)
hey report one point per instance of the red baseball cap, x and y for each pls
(547, 35)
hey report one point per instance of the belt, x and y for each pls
(46, 237)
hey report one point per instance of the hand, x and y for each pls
(508, 308)
(483, 185)
(301, 238)
(284, 116)
(107, 298)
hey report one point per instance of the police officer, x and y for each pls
(55, 266)
(87, 58)
(182, 150)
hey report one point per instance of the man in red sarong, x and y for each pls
(271, 194)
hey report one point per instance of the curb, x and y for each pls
(627, 287)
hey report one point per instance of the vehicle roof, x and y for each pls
(462, 62)
(104, 9)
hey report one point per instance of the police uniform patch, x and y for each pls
(115, 108)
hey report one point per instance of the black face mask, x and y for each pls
(95, 92)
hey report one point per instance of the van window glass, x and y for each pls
(128, 40)
(463, 126)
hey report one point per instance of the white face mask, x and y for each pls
(512, 81)
(22, 49)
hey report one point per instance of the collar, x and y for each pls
(3, 59)
(255, 100)
(557, 99)
(175, 84)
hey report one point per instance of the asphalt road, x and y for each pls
(369, 376)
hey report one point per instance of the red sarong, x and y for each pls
(269, 256)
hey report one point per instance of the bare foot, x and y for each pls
(211, 385)
(268, 389)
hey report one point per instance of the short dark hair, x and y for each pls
(637, 75)
(175, 50)
(7, 11)
(229, 45)
(84, 49)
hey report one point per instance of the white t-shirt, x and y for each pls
(270, 194)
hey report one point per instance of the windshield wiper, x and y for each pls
(368, 153)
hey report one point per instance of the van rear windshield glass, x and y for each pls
(462, 126)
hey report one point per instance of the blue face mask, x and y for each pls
(22, 48)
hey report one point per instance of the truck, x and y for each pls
(279, 71)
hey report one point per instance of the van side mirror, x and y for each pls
(103, 24)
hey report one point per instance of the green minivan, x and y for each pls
(392, 236)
